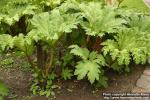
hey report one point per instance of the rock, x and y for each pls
(144, 82)
(146, 77)
(146, 72)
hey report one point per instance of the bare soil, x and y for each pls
(82, 90)
(19, 83)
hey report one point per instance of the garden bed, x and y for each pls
(19, 83)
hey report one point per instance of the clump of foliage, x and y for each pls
(3, 90)
(90, 65)
(101, 34)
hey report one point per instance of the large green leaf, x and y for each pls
(129, 42)
(139, 21)
(6, 41)
(90, 65)
(88, 68)
(24, 44)
(12, 10)
(49, 27)
(99, 19)
(82, 52)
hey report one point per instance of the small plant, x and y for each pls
(3, 90)
(66, 62)
(66, 73)
(47, 90)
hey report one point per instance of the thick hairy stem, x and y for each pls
(49, 63)
(41, 59)
(29, 59)
(88, 39)
(40, 56)
(109, 2)
(93, 43)
(97, 46)
(88, 42)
